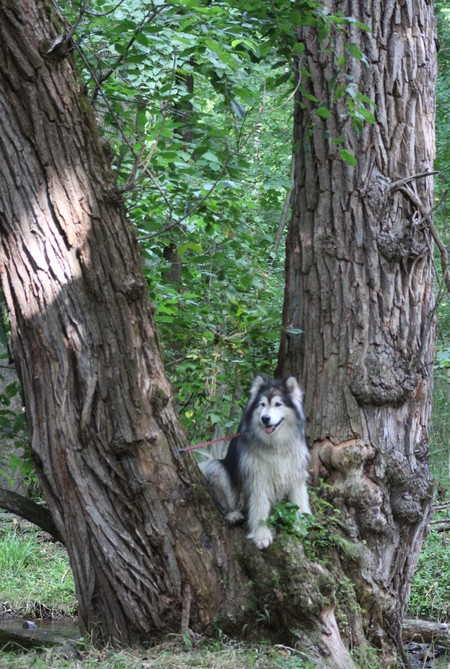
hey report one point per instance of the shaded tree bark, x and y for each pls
(103, 429)
(359, 287)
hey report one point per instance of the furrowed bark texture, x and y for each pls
(103, 429)
(359, 284)
(147, 549)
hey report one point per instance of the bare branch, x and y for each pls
(25, 508)
(426, 218)
(396, 185)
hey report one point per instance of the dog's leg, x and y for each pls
(258, 513)
(223, 492)
(299, 496)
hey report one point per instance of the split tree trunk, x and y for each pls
(359, 287)
(147, 549)
(149, 552)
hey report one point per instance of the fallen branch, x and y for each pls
(439, 526)
(424, 631)
(29, 510)
(440, 506)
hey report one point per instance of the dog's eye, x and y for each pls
(278, 404)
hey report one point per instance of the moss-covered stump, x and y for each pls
(290, 599)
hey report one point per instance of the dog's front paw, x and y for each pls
(234, 517)
(262, 538)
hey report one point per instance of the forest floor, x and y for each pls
(36, 585)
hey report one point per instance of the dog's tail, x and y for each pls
(217, 452)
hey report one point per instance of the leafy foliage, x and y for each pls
(443, 169)
(198, 124)
(321, 533)
(440, 447)
(194, 99)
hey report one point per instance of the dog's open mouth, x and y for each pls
(270, 429)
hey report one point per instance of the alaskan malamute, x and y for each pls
(267, 461)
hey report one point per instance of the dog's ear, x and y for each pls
(294, 391)
(257, 384)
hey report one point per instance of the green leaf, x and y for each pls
(323, 112)
(348, 157)
(211, 157)
(299, 47)
(355, 51)
(358, 24)
(140, 38)
(366, 114)
(339, 140)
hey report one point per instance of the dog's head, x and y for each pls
(275, 406)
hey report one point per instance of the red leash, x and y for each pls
(208, 443)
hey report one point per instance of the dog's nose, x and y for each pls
(265, 419)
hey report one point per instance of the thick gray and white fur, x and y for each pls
(267, 462)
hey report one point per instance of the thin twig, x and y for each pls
(150, 235)
(426, 218)
(396, 185)
(125, 139)
(109, 11)
(283, 215)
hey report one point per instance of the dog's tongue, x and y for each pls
(269, 429)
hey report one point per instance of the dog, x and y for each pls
(266, 462)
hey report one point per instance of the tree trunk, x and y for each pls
(359, 312)
(103, 430)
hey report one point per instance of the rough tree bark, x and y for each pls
(359, 285)
(103, 429)
(148, 550)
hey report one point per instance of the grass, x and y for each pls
(35, 580)
(223, 654)
(35, 577)
(430, 588)
(430, 591)
(439, 434)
